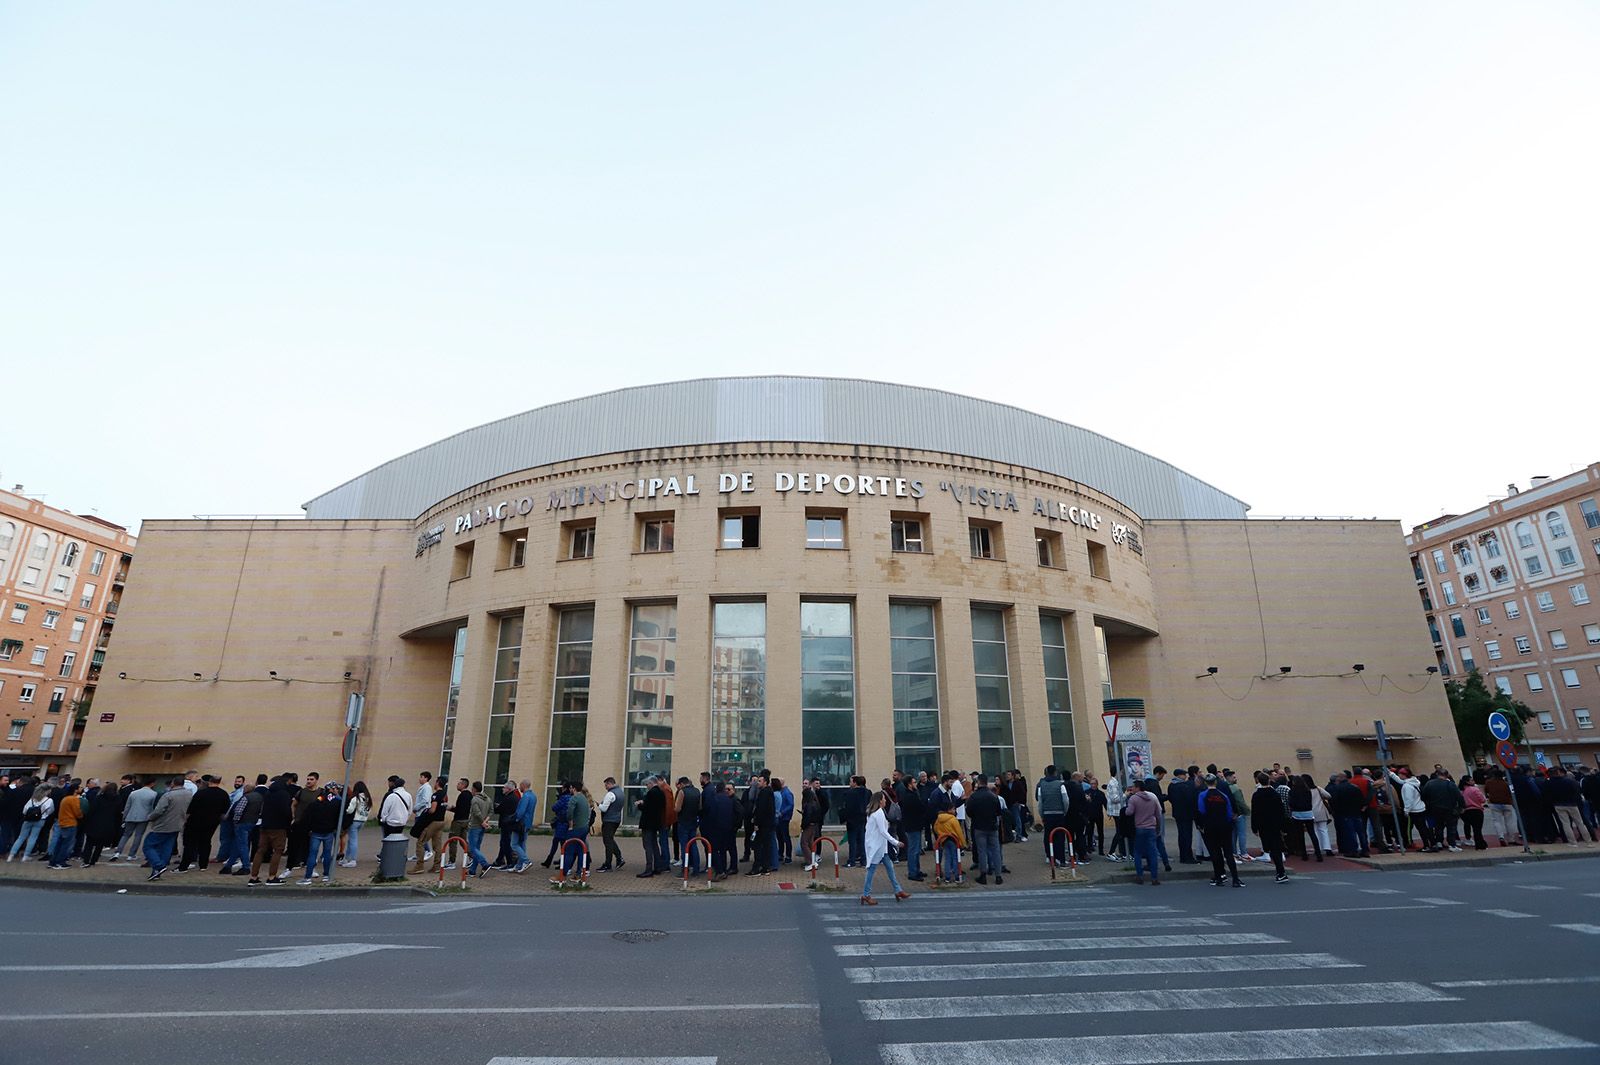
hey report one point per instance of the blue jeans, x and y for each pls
(889, 867)
(951, 860)
(61, 851)
(1144, 853)
(238, 838)
(26, 839)
(321, 846)
(1241, 835)
(572, 854)
(158, 848)
(352, 842)
(986, 849)
(1161, 847)
(686, 832)
(516, 835)
(474, 843)
(664, 849)
(914, 855)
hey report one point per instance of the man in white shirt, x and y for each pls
(395, 812)
(424, 797)
(189, 779)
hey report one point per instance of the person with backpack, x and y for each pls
(36, 812)
(1215, 813)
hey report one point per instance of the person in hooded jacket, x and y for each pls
(1268, 820)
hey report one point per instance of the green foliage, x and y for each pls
(1471, 703)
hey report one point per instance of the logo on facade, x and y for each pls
(429, 538)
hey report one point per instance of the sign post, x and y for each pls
(1109, 720)
(1506, 754)
(347, 751)
(1384, 756)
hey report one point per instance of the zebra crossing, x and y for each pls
(925, 977)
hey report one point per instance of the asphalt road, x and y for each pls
(1491, 964)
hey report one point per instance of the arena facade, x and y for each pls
(820, 576)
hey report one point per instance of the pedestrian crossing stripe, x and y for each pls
(1011, 926)
(602, 1061)
(1505, 913)
(974, 894)
(899, 914)
(1380, 891)
(1113, 967)
(1441, 902)
(1264, 1045)
(1147, 1000)
(1013, 946)
(1539, 887)
(1587, 929)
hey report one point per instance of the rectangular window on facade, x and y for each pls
(741, 529)
(1502, 685)
(991, 671)
(97, 563)
(1582, 718)
(1100, 561)
(914, 687)
(452, 704)
(1439, 563)
(1458, 626)
(1558, 639)
(1535, 682)
(19, 612)
(1449, 591)
(1566, 556)
(656, 533)
(1533, 565)
(503, 702)
(1048, 544)
(30, 576)
(652, 679)
(17, 727)
(86, 599)
(1580, 595)
(47, 734)
(51, 617)
(26, 694)
(827, 692)
(1483, 615)
(1524, 645)
(39, 654)
(1491, 545)
(579, 539)
(1547, 721)
(1569, 677)
(1058, 692)
(513, 549)
(58, 698)
(569, 699)
(76, 633)
(824, 531)
(984, 539)
(461, 567)
(1103, 660)
(738, 691)
(67, 660)
(1468, 663)
(41, 547)
(1492, 648)
(1463, 554)
(59, 583)
(1546, 601)
(8, 649)
(1513, 611)
(906, 535)
(1591, 634)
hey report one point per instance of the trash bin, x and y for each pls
(392, 856)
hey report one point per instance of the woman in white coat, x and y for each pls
(879, 844)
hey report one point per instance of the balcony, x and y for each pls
(111, 608)
(121, 577)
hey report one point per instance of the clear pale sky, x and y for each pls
(1333, 258)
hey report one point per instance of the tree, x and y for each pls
(1471, 703)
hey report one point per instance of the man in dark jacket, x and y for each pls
(1050, 799)
(652, 809)
(1079, 812)
(687, 826)
(205, 814)
(1348, 806)
(1214, 810)
(1181, 793)
(764, 817)
(1267, 820)
(1443, 800)
(914, 820)
(277, 813)
(719, 823)
(240, 821)
(983, 815)
(853, 812)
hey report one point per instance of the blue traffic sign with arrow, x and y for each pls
(1499, 726)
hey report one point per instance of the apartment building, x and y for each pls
(61, 581)
(1511, 590)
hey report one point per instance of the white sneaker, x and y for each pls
(448, 865)
(1455, 850)
(347, 865)
(306, 881)
(327, 880)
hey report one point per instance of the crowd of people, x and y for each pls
(281, 824)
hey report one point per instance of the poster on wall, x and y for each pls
(1136, 763)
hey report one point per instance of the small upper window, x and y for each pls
(30, 576)
(1566, 556)
(1580, 594)
(1513, 611)
(580, 542)
(656, 535)
(60, 583)
(1547, 602)
(1483, 615)
(1524, 534)
(1555, 525)
(19, 612)
(69, 556)
(1439, 563)
(97, 563)
(1524, 645)
(825, 531)
(905, 535)
(981, 536)
(51, 617)
(1569, 677)
(1533, 565)
(1558, 639)
(740, 531)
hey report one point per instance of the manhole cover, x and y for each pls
(639, 935)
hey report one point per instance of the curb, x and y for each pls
(1512, 857)
(145, 887)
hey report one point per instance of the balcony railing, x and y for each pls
(111, 607)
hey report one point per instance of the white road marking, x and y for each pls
(1012, 946)
(974, 894)
(685, 931)
(410, 1011)
(1538, 887)
(1505, 913)
(898, 914)
(1328, 909)
(1147, 999)
(602, 1061)
(1528, 981)
(421, 909)
(1380, 891)
(1430, 874)
(264, 958)
(1268, 1045)
(1441, 902)
(1344, 883)
(1035, 926)
(1586, 929)
(1113, 967)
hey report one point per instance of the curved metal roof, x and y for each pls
(724, 410)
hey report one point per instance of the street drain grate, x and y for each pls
(639, 935)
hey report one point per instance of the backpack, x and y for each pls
(33, 813)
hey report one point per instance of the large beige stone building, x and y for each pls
(1512, 590)
(820, 576)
